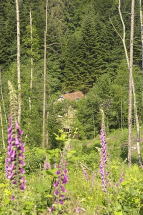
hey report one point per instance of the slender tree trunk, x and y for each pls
(18, 61)
(141, 21)
(47, 135)
(133, 87)
(94, 124)
(130, 83)
(2, 131)
(31, 81)
(44, 93)
(121, 114)
(3, 98)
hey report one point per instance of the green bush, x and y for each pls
(34, 159)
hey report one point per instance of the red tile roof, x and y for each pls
(73, 96)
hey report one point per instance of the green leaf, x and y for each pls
(52, 172)
(2, 185)
(118, 207)
(133, 191)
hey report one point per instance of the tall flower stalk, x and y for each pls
(103, 156)
(15, 153)
(103, 160)
(62, 178)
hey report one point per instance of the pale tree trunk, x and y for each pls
(31, 80)
(141, 21)
(94, 126)
(130, 83)
(2, 131)
(44, 93)
(121, 114)
(3, 98)
(47, 135)
(133, 89)
(18, 62)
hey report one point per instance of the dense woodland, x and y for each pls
(84, 52)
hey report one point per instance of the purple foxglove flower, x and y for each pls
(63, 189)
(103, 160)
(121, 180)
(11, 168)
(21, 155)
(77, 210)
(51, 209)
(12, 198)
(65, 171)
(9, 129)
(61, 202)
(85, 173)
(56, 192)
(15, 152)
(46, 165)
(22, 170)
(58, 172)
(65, 179)
(22, 162)
(23, 187)
(56, 184)
(16, 125)
(16, 142)
(23, 180)
(11, 176)
(14, 182)
(62, 178)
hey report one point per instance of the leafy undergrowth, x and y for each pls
(84, 194)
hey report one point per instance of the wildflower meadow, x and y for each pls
(79, 177)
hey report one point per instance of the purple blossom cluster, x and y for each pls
(121, 180)
(59, 183)
(15, 161)
(47, 165)
(85, 173)
(61, 180)
(103, 144)
(103, 164)
(103, 160)
(102, 172)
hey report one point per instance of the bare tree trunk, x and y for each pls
(31, 81)
(141, 21)
(94, 125)
(130, 83)
(2, 131)
(18, 62)
(121, 114)
(47, 135)
(3, 98)
(133, 87)
(44, 93)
